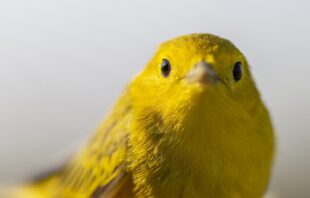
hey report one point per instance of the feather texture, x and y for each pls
(169, 136)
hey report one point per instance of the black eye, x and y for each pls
(237, 71)
(165, 68)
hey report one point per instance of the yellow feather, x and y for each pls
(178, 131)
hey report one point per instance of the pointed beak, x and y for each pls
(202, 72)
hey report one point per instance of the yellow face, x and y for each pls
(188, 72)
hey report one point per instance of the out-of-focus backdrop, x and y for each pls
(64, 62)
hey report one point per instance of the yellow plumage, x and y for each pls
(191, 124)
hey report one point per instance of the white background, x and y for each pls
(63, 63)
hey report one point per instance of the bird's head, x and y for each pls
(193, 80)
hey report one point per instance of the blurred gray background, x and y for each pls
(63, 63)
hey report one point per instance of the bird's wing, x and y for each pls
(100, 169)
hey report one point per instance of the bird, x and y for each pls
(191, 124)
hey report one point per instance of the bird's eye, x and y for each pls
(165, 68)
(237, 71)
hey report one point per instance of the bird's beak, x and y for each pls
(202, 73)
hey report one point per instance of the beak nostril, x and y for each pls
(205, 66)
(203, 72)
(202, 64)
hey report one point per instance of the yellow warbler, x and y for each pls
(191, 124)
